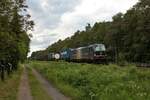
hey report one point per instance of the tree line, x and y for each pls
(127, 36)
(14, 40)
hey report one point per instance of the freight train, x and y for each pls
(93, 53)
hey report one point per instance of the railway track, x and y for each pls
(145, 65)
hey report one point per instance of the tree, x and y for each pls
(14, 25)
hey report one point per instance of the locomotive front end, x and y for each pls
(100, 53)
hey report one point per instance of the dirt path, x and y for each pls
(24, 89)
(53, 92)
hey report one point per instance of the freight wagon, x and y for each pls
(53, 56)
(91, 53)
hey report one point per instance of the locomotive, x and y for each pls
(93, 53)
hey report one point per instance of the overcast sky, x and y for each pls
(58, 19)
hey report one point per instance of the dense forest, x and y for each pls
(14, 25)
(127, 36)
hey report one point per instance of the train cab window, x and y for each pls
(100, 48)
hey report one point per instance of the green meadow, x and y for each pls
(82, 81)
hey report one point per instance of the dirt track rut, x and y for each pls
(53, 92)
(24, 88)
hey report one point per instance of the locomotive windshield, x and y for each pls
(100, 47)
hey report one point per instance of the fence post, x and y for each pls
(8, 69)
(2, 72)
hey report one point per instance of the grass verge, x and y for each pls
(97, 82)
(37, 90)
(9, 88)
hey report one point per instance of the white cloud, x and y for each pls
(58, 19)
(90, 11)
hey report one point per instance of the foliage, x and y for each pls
(96, 82)
(39, 55)
(14, 24)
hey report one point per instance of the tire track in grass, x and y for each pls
(37, 91)
(24, 88)
(53, 92)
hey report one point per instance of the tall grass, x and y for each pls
(9, 88)
(97, 82)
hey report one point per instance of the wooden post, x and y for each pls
(2, 72)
